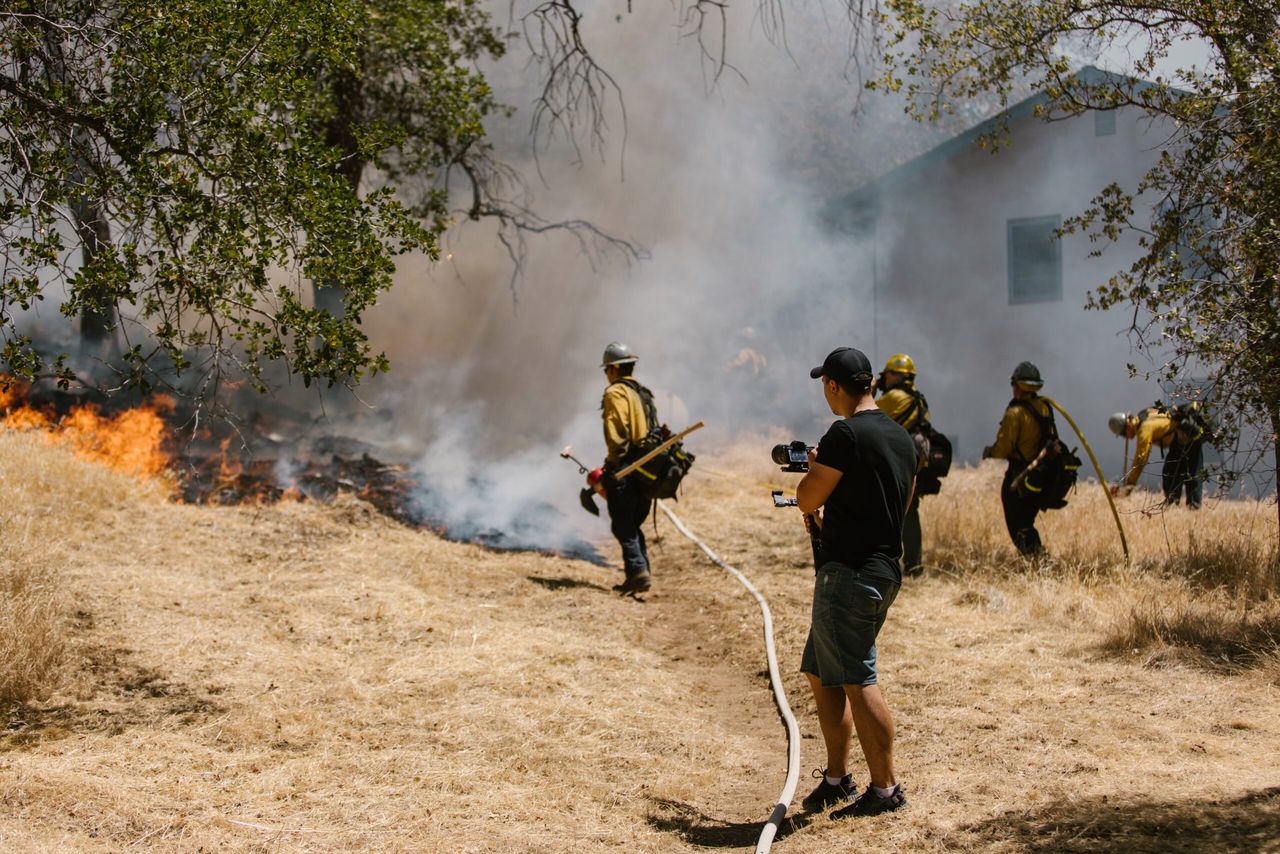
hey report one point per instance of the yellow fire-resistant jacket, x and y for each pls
(1019, 438)
(899, 404)
(1155, 428)
(624, 422)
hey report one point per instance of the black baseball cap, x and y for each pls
(847, 366)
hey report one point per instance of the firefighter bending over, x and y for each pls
(1180, 433)
(1019, 441)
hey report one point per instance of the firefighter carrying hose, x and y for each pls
(1180, 432)
(626, 423)
(900, 400)
(1020, 439)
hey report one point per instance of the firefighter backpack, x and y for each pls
(933, 449)
(1190, 424)
(660, 477)
(1054, 476)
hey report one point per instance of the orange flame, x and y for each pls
(132, 441)
(229, 467)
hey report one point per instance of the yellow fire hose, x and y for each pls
(1102, 480)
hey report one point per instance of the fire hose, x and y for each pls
(1102, 480)
(770, 829)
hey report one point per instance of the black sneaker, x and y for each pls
(633, 584)
(826, 795)
(869, 803)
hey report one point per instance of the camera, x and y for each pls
(793, 457)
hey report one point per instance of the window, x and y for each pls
(1104, 122)
(1035, 259)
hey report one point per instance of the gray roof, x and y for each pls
(861, 203)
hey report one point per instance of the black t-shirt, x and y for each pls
(862, 519)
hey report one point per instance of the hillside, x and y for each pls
(301, 677)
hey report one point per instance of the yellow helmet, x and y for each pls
(901, 363)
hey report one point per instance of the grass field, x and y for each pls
(318, 678)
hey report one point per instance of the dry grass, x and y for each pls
(46, 496)
(1203, 587)
(1228, 544)
(305, 678)
(31, 637)
(1204, 633)
(318, 679)
(1225, 560)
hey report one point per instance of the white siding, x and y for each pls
(943, 289)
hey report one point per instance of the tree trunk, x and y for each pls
(98, 317)
(340, 135)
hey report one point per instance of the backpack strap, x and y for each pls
(919, 402)
(646, 402)
(918, 405)
(1048, 429)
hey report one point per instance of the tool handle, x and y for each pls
(1022, 475)
(621, 473)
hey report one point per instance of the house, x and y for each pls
(966, 275)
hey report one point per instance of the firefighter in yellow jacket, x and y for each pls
(1183, 453)
(626, 423)
(901, 402)
(1019, 441)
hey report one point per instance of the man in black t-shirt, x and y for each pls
(861, 477)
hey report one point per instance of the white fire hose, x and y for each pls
(770, 829)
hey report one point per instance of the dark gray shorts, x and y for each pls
(848, 610)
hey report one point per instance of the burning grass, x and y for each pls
(218, 464)
(134, 440)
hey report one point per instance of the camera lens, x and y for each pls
(781, 454)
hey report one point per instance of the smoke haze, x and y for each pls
(748, 284)
(745, 289)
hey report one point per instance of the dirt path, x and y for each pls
(706, 628)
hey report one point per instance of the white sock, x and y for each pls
(883, 793)
(836, 781)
